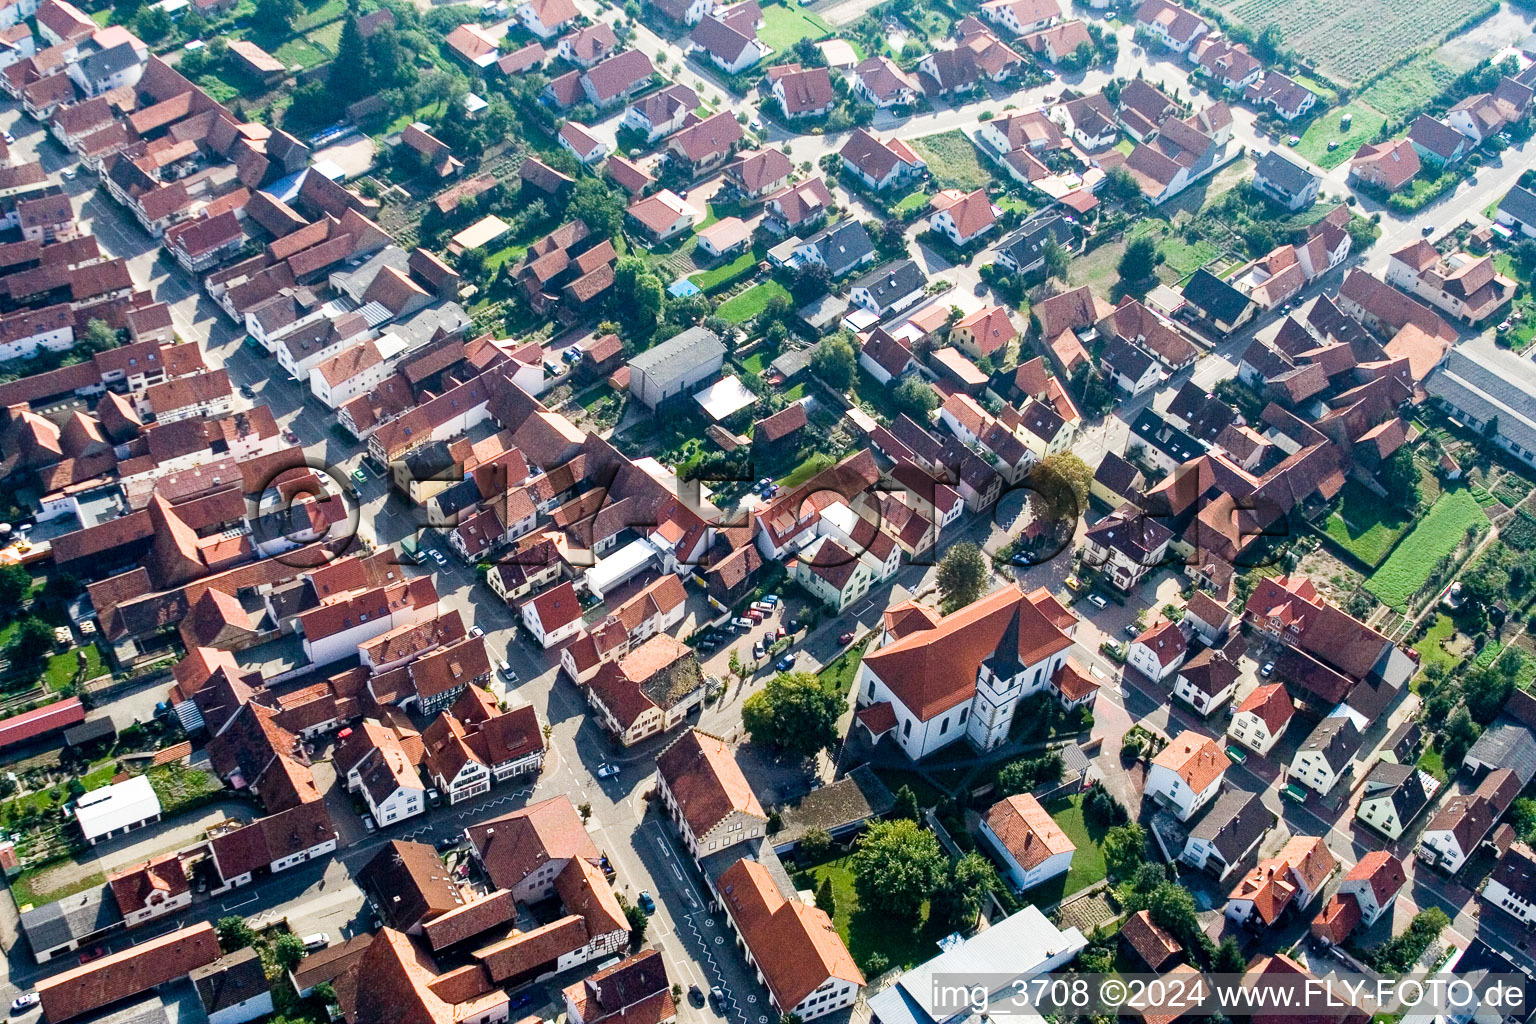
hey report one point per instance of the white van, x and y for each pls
(319, 940)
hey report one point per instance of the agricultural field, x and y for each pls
(953, 160)
(1409, 87)
(1436, 535)
(1365, 123)
(1356, 40)
(786, 24)
(1366, 526)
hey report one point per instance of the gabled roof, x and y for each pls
(701, 772)
(934, 670)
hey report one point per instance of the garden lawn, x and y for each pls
(25, 886)
(707, 279)
(952, 160)
(786, 24)
(741, 308)
(1325, 128)
(61, 668)
(912, 201)
(300, 51)
(812, 464)
(1435, 536)
(1365, 525)
(1431, 762)
(903, 943)
(1087, 861)
(838, 677)
(1184, 258)
(1431, 651)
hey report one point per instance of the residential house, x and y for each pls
(376, 767)
(881, 82)
(527, 850)
(890, 288)
(1206, 681)
(1126, 545)
(1021, 17)
(987, 332)
(793, 947)
(1186, 774)
(1436, 142)
(759, 173)
(1158, 651)
(152, 889)
(1285, 181)
(662, 216)
(706, 794)
(842, 248)
(1393, 795)
(648, 691)
(1288, 98)
(546, 18)
(1324, 756)
(1217, 303)
(617, 78)
(1517, 210)
(1389, 165)
(963, 218)
(1028, 842)
(704, 146)
(1227, 833)
(804, 92)
(1261, 718)
(1227, 64)
(1464, 822)
(729, 38)
(1169, 24)
(1288, 882)
(473, 744)
(554, 615)
(1368, 891)
(884, 357)
(1465, 286)
(1512, 885)
(659, 114)
(880, 165)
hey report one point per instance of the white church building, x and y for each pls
(930, 680)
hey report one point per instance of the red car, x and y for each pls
(846, 638)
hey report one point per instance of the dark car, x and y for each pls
(846, 638)
(647, 904)
(695, 995)
(717, 998)
(447, 843)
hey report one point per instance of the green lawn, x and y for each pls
(62, 668)
(743, 307)
(1365, 525)
(1431, 762)
(300, 51)
(1430, 648)
(786, 24)
(867, 932)
(1363, 128)
(1087, 860)
(25, 886)
(1435, 536)
(756, 363)
(838, 677)
(809, 467)
(912, 201)
(513, 253)
(1184, 258)
(707, 279)
(952, 160)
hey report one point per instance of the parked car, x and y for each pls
(771, 600)
(437, 556)
(69, 173)
(754, 615)
(247, 391)
(319, 940)
(448, 843)
(476, 631)
(763, 606)
(607, 770)
(846, 638)
(695, 995)
(368, 825)
(434, 797)
(646, 903)
(717, 997)
(1097, 601)
(1131, 630)
(786, 663)
(1267, 670)
(758, 651)
(25, 1001)
(741, 623)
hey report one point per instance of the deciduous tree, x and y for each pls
(794, 713)
(896, 866)
(962, 575)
